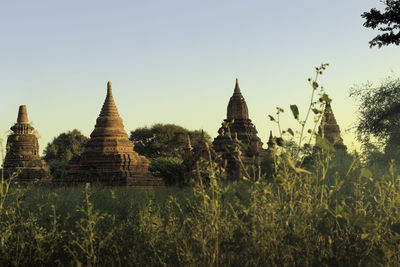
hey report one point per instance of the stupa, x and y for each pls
(196, 161)
(330, 129)
(270, 157)
(238, 131)
(22, 161)
(109, 157)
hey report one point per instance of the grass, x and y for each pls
(351, 220)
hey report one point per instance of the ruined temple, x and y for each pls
(238, 134)
(269, 157)
(330, 129)
(109, 157)
(196, 160)
(22, 161)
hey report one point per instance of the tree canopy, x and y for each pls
(387, 22)
(65, 146)
(164, 140)
(379, 115)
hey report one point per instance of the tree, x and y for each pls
(62, 149)
(378, 123)
(387, 22)
(164, 140)
(169, 169)
(65, 146)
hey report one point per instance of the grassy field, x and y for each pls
(344, 216)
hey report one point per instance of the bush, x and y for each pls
(170, 169)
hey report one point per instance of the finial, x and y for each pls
(22, 115)
(202, 134)
(237, 89)
(189, 143)
(109, 88)
(270, 140)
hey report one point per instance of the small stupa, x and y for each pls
(109, 157)
(196, 160)
(22, 161)
(330, 129)
(270, 157)
(238, 130)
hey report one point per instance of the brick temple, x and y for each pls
(196, 160)
(109, 157)
(22, 161)
(330, 129)
(238, 129)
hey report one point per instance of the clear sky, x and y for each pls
(176, 61)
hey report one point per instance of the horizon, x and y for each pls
(176, 62)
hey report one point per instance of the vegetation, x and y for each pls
(334, 212)
(164, 140)
(65, 146)
(62, 149)
(387, 22)
(378, 126)
(170, 169)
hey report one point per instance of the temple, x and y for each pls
(330, 129)
(269, 160)
(196, 160)
(22, 161)
(109, 157)
(237, 139)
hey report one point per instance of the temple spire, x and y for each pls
(22, 115)
(270, 140)
(237, 107)
(109, 107)
(109, 88)
(237, 88)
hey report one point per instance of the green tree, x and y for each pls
(378, 125)
(62, 149)
(387, 22)
(164, 140)
(170, 169)
(65, 146)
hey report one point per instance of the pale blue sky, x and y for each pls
(176, 61)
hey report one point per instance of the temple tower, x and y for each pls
(22, 159)
(196, 160)
(109, 157)
(330, 129)
(238, 131)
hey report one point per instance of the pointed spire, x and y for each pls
(109, 88)
(237, 88)
(109, 107)
(270, 140)
(22, 115)
(237, 107)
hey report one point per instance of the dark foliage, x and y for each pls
(378, 123)
(164, 140)
(170, 169)
(388, 22)
(65, 146)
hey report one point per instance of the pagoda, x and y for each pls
(22, 161)
(237, 139)
(270, 157)
(330, 129)
(109, 157)
(196, 161)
